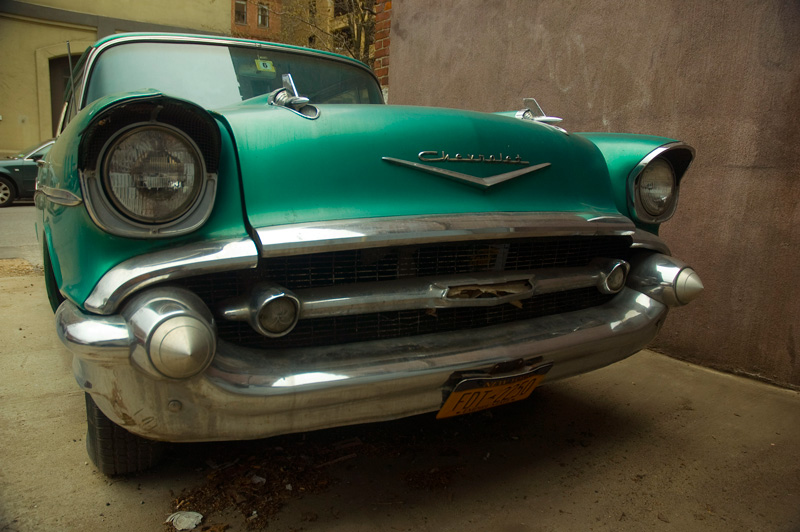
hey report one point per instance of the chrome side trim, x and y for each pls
(60, 196)
(145, 270)
(494, 288)
(314, 237)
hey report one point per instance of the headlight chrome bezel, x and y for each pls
(678, 157)
(180, 119)
(104, 173)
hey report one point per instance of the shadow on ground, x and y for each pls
(412, 462)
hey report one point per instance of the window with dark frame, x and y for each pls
(240, 12)
(341, 7)
(263, 16)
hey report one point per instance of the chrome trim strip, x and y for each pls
(459, 350)
(60, 196)
(94, 338)
(298, 113)
(315, 237)
(190, 260)
(479, 182)
(437, 292)
(293, 390)
(199, 39)
(646, 240)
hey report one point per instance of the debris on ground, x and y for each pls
(259, 486)
(431, 479)
(18, 268)
(185, 520)
(258, 483)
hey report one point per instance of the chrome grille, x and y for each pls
(383, 264)
(365, 327)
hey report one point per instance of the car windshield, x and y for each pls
(29, 151)
(215, 75)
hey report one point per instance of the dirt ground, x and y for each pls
(648, 443)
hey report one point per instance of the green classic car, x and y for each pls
(242, 240)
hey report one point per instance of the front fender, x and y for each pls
(81, 251)
(624, 153)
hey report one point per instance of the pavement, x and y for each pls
(650, 443)
(17, 233)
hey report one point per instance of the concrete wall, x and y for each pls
(723, 76)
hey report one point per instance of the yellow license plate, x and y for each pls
(475, 394)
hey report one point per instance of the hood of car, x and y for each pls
(357, 161)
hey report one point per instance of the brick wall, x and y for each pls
(383, 23)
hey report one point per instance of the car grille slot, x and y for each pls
(397, 324)
(390, 263)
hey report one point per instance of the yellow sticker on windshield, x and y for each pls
(263, 65)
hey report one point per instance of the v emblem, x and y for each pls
(482, 183)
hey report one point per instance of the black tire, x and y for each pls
(50, 284)
(7, 192)
(114, 450)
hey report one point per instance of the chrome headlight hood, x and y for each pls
(148, 166)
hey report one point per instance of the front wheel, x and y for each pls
(114, 450)
(7, 192)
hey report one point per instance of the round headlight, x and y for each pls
(656, 187)
(153, 174)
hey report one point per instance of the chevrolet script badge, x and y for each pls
(479, 182)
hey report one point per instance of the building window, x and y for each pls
(263, 16)
(240, 12)
(342, 7)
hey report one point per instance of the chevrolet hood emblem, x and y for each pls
(482, 183)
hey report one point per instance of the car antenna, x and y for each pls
(71, 78)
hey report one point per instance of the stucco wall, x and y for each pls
(25, 86)
(723, 76)
(208, 15)
(33, 33)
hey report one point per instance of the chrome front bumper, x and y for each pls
(246, 393)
